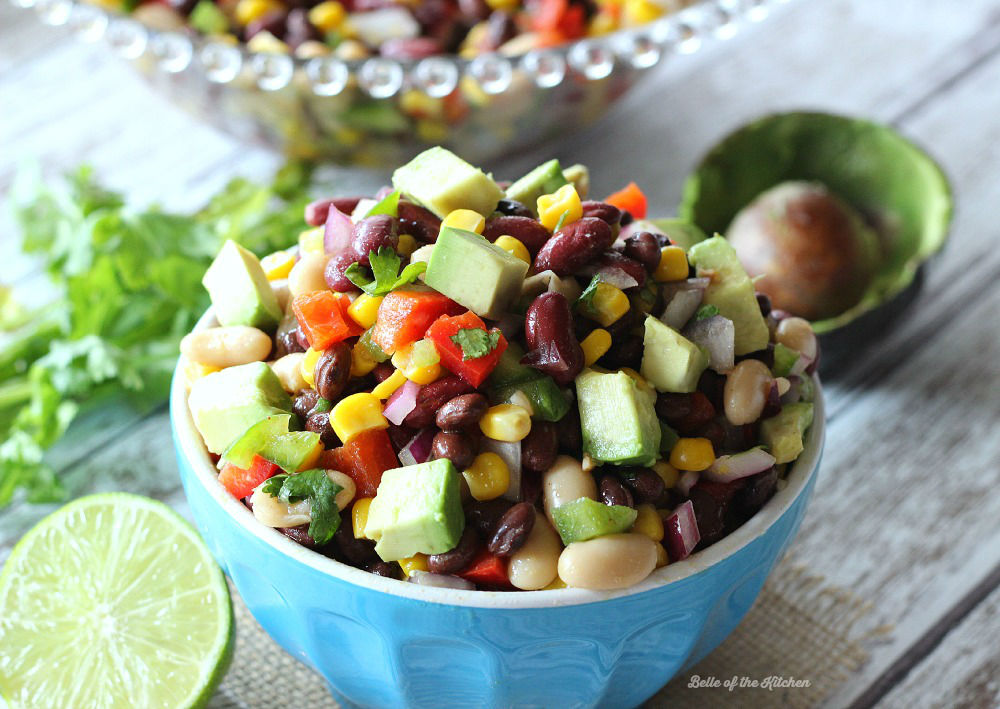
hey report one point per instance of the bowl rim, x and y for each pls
(190, 445)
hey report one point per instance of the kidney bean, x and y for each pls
(458, 558)
(334, 273)
(456, 447)
(644, 248)
(384, 568)
(432, 397)
(612, 492)
(513, 208)
(332, 371)
(436, 17)
(462, 413)
(382, 371)
(540, 447)
(399, 436)
(569, 434)
(645, 484)
(772, 407)
(372, 233)
(485, 516)
(474, 10)
(410, 48)
(627, 218)
(420, 223)
(527, 230)
(712, 385)
(318, 211)
(685, 412)
(613, 259)
(608, 562)
(574, 246)
(548, 329)
(513, 529)
(286, 339)
(319, 422)
(354, 551)
(603, 211)
(273, 22)
(746, 391)
(304, 403)
(301, 339)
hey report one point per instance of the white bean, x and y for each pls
(274, 513)
(226, 346)
(348, 488)
(564, 482)
(534, 565)
(798, 334)
(289, 372)
(280, 289)
(609, 562)
(307, 275)
(746, 390)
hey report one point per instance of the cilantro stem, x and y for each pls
(15, 393)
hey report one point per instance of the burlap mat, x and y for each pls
(802, 640)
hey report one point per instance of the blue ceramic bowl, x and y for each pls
(386, 643)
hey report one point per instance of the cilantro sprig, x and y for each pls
(476, 342)
(385, 272)
(586, 299)
(315, 486)
(706, 311)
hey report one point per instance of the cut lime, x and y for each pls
(113, 601)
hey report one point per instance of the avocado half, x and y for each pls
(871, 166)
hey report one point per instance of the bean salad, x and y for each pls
(498, 386)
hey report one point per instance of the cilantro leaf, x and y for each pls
(315, 486)
(586, 299)
(387, 205)
(384, 269)
(476, 342)
(705, 312)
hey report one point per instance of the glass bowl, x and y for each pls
(379, 112)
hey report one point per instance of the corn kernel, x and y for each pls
(692, 454)
(419, 361)
(515, 247)
(668, 473)
(673, 265)
(608, 304)
(328, 16)
(603, 23)
(465, 219)
(249, 10)
(648, 523)
(308, 365)
(419, 105)
(472, 92)
(662, 558)
(386, 388)
(417, 562)
(503, 5)
(639, 12)
(311, 241)
(357, 413)
(595, 345)
(359, 516)
(361, 361)
(406, 246)
(277, 265)
(364, 309)
(556, 584)
(505, 422)
(488, 477)
(552, 207)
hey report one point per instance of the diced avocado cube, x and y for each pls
(240, 292)
(584, 519)
(670, 361)
(784, 359)
(443, 182)
(807, 390)
(617, 419)
(475, 273)
(579, 176)
(544, 179)
(207, 18)
(270, 439)
(225, 404)
(783, 434)
(731, 291)
(417, 509)
(684, 234)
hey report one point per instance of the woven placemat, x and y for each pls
(802, 639)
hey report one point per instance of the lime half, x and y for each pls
(113, 601)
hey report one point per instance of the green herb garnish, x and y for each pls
(384, 268)
(476, 342)
(315, 486)
(705, 312)
(586, 299)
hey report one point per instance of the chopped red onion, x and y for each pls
(617, 277)
(511, 455)
(316, 211)
(418, 450)
(800, 366)
(682, 299)
(548, 281)
(402, 402)
(681, 532)
(426, 578)
(717, 335)
(687, 481)
(338, 232)
(727, 468)
(794, 393)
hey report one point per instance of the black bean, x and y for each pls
(614, 493)
(388, 569)
(513, 208)
(455, 446)
(299, 535)
(764, 302)
(569, 434)
(458, 558)
(540, 447)
(485, 516)
(304, 403)
(319, 422)
(332, 371)
(685, 412)
(645, 484)
(462, 412)
(353, 551)
(513, 529)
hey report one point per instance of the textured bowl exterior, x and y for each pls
(384, 643)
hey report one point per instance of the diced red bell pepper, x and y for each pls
(405, 315)
(363, 459)
(487, 569)
(324, 319)
(473, 371)
(631, 199)
(241, 483)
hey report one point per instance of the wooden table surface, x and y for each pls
(905, 513)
